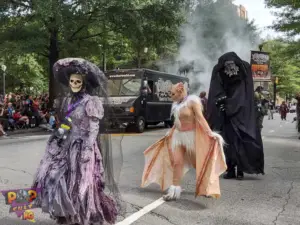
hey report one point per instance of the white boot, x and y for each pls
(173, 193)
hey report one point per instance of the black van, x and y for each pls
(140, 97)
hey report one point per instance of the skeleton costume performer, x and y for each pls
(231, 110)
(190, 143)
(72, 172)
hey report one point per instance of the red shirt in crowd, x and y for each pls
(17, 116)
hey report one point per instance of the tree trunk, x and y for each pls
(139, 59)
(53, 57)
(139, 62)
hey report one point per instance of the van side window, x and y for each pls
(151, 85)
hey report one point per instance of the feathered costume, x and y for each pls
(204, 151)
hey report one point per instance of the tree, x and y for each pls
(286, 68)
(288, 21)
(25, 74)
(76, 28)
(48, 28)
(288, 16)
(151, 25)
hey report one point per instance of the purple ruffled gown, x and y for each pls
(71, 177)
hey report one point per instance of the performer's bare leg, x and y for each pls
(175, 189)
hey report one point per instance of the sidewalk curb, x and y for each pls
(25, 131)
(24, 139)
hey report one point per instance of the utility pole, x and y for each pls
(3, 67)
(274, 87)
(104, 46)
(4, 84)
(103, 60)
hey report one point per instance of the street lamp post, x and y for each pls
(103, 57)
(275, 82)
(3, 67)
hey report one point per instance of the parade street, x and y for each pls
(272, 199)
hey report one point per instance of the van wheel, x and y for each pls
(168, 124)
(140, 124)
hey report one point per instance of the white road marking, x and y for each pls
(134, 217)
(271, 131)
(280, 126)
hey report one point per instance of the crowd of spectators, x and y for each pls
(19, 111)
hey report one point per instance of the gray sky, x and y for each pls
(260, 13)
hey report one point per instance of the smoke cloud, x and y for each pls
(203, 49)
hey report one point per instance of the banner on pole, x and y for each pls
(260, 66)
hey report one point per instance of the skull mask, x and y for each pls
(76, 82)
(231, 69)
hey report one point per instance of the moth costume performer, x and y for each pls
(231, 110)
(189, 143)
(77, 164)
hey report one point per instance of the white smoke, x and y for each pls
(192, 49)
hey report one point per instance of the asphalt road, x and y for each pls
(272, 199)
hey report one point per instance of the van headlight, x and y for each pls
(130, 109)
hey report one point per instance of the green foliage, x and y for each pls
(25, 71)
(36, 33)
(118, 30)
(288, 15)
(288, 21)
(285, 67)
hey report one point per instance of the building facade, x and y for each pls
(240, 9)
(242, 12)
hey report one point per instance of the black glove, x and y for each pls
(221, 103)
(222, 108)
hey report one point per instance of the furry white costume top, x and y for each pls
(187, 138)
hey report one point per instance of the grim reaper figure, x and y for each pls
(231, 110)
(77, 164)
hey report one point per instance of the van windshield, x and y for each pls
(124, 87)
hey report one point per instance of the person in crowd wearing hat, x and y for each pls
(260, 106)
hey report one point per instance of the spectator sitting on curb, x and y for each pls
(2, 132)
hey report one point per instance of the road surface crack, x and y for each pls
(23, 171)
(136, 207)
(285, 204)
(162, 217)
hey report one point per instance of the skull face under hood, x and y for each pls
(231, 69)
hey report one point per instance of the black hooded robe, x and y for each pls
(237, 124)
